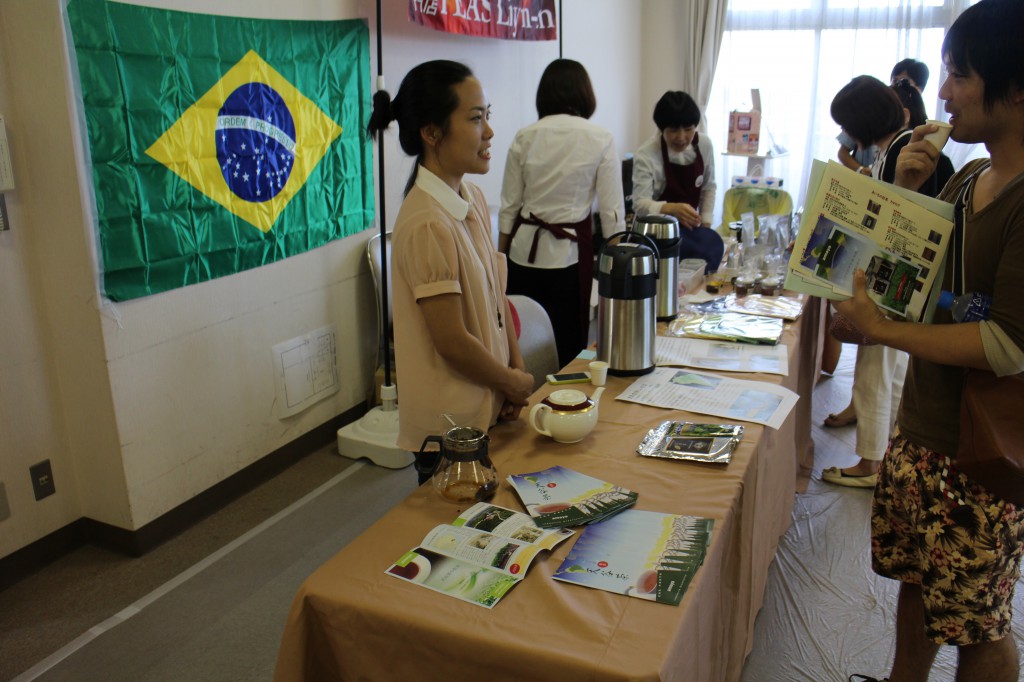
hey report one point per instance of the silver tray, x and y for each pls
(691, 441)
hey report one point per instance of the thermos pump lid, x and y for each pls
(657, 226)
(627, 260)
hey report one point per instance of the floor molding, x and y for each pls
(83, 531)
(137, 607)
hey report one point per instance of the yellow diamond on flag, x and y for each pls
(249, 143)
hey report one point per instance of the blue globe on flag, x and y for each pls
(255, 142)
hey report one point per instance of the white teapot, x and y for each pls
(566, 415)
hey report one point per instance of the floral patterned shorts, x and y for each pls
(932, 526)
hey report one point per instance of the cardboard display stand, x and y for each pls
(745, 128)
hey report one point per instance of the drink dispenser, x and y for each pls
(664, 232)
(627, 287)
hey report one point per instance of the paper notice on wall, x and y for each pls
(305, 370)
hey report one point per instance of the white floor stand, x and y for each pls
(374, 435)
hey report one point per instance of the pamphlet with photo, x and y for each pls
(558, 497)
(480, 556)
(897, 237)
(642, 554)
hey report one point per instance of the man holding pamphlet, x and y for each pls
(954, 545)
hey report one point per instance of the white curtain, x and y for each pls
(701, 26)
(800, 53)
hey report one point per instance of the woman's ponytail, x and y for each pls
(382, 114)
(426, 97)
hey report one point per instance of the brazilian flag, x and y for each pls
(219, 144)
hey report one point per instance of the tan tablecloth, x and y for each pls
(350, 621)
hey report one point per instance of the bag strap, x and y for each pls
(961, 209)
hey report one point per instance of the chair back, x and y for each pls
(536, 339)
(376, 270)
(757, 200)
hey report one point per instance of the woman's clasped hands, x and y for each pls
(517, 394)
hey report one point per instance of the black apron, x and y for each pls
(682, 183)
(584, 239)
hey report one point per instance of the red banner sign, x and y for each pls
(507, 19)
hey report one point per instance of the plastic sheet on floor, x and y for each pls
(826, 614)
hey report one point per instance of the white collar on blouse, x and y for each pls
(437, 188)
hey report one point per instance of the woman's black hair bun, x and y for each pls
(382, 114)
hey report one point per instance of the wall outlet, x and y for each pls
(42, 479)
(5, 509)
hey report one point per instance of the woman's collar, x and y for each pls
(437, 188)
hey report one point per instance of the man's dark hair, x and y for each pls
(676, 109)
(986, 39)
(912, 101)
(917, 71)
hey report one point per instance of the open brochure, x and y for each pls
(482, 555)
(898, 237)
(558, 497)
(641, 554)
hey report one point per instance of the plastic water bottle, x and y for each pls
(969, 307)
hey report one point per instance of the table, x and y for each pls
(350, 621)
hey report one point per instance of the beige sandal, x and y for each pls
(836, 476)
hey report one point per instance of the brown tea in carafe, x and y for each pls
(464, 473)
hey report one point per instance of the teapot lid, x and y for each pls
(567, 400)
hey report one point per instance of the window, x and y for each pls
(799, 54)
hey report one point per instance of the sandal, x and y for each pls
(836, 476)
(834, 421)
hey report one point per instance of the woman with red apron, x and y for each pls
(674, 174)
(555, 170)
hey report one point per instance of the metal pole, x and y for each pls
(381, 211)
(561, 25)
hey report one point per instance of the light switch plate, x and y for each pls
(42, 479)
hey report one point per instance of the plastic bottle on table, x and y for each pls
(969, 307)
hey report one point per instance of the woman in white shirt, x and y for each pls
(674, 171)
(555, 170)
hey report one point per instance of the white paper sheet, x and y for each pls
(724, 356)
(683, 389)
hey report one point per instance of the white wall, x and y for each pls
(32, 424)
(142, 405)
(603, 35)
